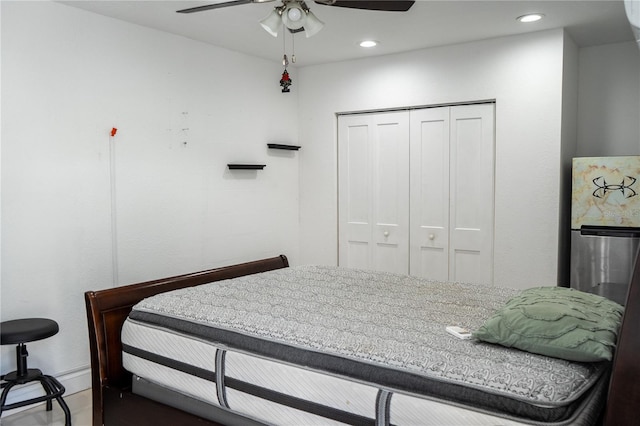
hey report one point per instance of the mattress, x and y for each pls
(318, 344)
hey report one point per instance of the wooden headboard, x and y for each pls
(624, 388)
(108, 309)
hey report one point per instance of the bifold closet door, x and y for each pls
(373, 159)
(452, 193)
(429, 251)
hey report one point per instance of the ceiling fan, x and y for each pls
(296, 15)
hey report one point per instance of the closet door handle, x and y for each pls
(432, 236)
(385, 233)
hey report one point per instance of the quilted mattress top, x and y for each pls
(375, 327)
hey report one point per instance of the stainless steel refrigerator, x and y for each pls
(605, 224)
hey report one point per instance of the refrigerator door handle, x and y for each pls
(610, 231)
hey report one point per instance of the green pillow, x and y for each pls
(558, 322)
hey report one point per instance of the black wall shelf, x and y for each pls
(283, 146)
(246, 166)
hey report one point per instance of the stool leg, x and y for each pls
(3, 397)
(53, 384)
(49, 390)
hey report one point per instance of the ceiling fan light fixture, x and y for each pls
(294, 16)
(272, 22)
(313, 25)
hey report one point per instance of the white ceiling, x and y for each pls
(427, 24)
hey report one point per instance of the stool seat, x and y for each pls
(26, 330)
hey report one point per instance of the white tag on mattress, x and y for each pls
(459, 332)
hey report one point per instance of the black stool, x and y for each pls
(19, 332)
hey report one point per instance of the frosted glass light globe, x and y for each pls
(294, 14)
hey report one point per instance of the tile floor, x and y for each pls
(79, 405)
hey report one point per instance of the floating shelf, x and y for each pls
(246, 166)
(282, 146)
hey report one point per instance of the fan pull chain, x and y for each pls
(293, 48)
(285, 80)
(285, 60)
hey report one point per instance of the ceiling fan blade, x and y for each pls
(219, 5)
(382, 5)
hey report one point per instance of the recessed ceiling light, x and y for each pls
(368, 43)
(532, 17)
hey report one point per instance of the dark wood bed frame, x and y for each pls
(115, 405)
(113, 402)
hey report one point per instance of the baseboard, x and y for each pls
(73, 382)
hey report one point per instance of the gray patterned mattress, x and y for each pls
(377, 328)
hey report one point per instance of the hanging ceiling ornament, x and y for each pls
(285, 80)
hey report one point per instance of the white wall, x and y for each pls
(183, 110)
(609, 100)
(524, 74)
